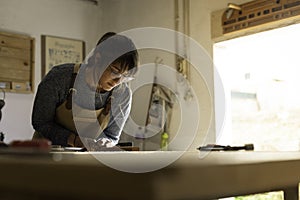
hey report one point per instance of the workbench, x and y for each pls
(209, 175)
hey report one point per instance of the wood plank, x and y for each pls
(16, 42)
(12, 63)
(14, 53)
(15, 75)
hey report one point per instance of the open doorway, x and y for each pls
(261, 77)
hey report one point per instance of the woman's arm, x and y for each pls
(50, 93)
(120, 109)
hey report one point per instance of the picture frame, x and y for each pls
(58, 50)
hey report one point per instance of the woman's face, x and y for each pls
(111, 77)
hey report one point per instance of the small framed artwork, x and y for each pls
(58, 50)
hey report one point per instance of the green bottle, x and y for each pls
(164, 141)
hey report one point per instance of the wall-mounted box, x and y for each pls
(5, 85)
(16, 62)
(20, 86)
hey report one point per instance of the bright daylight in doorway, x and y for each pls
(260, 73)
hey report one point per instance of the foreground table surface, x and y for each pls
(147, 175)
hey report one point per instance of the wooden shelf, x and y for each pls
(258, 12)
(16, 62)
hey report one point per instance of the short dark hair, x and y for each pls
(105, 36)
(114, 47)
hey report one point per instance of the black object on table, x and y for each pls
(215, 147)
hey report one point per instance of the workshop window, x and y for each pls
(260, 73)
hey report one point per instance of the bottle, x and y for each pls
(164, 141)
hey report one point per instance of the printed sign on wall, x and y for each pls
(57, 50)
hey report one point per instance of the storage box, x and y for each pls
(5, 85)
(20, 86)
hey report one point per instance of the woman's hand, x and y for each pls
(103, 144)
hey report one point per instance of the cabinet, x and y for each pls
(16, 62)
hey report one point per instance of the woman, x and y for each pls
(71, 94)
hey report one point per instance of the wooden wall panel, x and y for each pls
(16, 62)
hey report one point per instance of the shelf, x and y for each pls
(16, 62)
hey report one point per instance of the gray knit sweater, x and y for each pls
(53, 91)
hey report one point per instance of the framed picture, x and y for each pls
(58, 50)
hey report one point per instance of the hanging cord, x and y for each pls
(3, 91)
(2, 103)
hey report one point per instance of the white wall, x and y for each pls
(65, 18)
(200, 30)
(123, 15)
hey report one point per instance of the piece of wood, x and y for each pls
(258, 12)
(17, 64)
(12, 40)
(217, 34)
(14, 53)
(12, 74)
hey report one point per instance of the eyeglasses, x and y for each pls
(115, 74)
